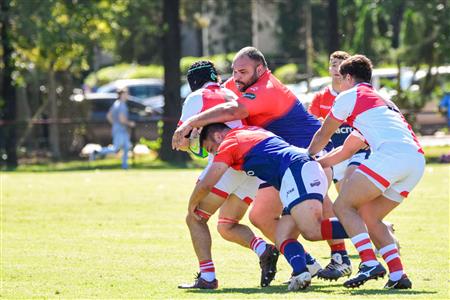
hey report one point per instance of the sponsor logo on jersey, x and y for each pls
(344, 130)
(250, 96)
(315, 183)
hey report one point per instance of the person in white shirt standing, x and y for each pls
(382, 181)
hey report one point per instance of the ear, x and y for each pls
(219, 136)
(259, 70)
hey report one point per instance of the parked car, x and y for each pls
(92, 108)
(148, 91)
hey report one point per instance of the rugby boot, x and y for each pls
(364, 274)
(268, 263)
(200, 283)
(402, 283)
(299, 282)
(336, 269)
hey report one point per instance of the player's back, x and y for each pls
(261, 153)
(273, 106)
(375, 118)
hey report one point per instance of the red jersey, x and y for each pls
(273, 106)
(322, 102)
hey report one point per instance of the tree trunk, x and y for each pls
(171, 58)
(8, 90)
(396, 20)
(333, 23)
(309, 41)
(54, 130)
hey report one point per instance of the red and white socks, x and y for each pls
(392, 259)
(207, 270)
(258, 245)
(364, 246)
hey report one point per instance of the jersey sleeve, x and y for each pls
(314, 107)
(191, 107)
(343, 106)
(226, 152)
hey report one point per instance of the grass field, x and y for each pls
(116, 234)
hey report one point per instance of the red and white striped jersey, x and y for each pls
(377, 119)
(211, 94)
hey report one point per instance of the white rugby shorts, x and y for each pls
(395, 168)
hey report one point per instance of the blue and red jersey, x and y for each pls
(274, 107)
(259, 153)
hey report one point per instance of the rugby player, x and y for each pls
(381, 182)
(264, 102)
(299, 179)
(232, 194)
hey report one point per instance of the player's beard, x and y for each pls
(243, 86)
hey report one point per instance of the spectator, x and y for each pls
(118, 117)
(444, 105)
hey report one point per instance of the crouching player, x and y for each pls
(232, 194)
(300, 180)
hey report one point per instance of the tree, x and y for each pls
(333, 22)
(8, 91)
(171, 58)
(59, 36)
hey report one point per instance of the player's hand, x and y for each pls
(191, 212)
(131, 124)
(179, 136)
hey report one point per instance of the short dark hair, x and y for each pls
(201, 72)
(254, 54)
(121, 90)
(339, 55)
(210, 129)
(358, 66)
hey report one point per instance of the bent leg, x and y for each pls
(231, 212)
(266, 211)
(200, 234)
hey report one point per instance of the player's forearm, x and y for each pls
(217, 114)
(200, 192)
(334, 157)
(319, 141)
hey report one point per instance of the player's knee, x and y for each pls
(312, 234)
(254, 218)
(225, 228)
(191, 220)
(339, 208)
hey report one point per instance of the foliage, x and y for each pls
(123, 71)
(287, 73)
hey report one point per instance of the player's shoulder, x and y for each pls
(347, 94)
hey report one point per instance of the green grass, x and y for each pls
(116, 234)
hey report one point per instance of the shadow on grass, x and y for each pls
(326, 289)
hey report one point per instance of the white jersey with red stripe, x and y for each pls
(377, 119)
(210, 95)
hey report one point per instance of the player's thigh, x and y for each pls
(267, 204)
(211, 203)
(308, 215)
(377, 209)
(233, 208)
(357, 191)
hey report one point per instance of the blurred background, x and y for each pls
(62, 61)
